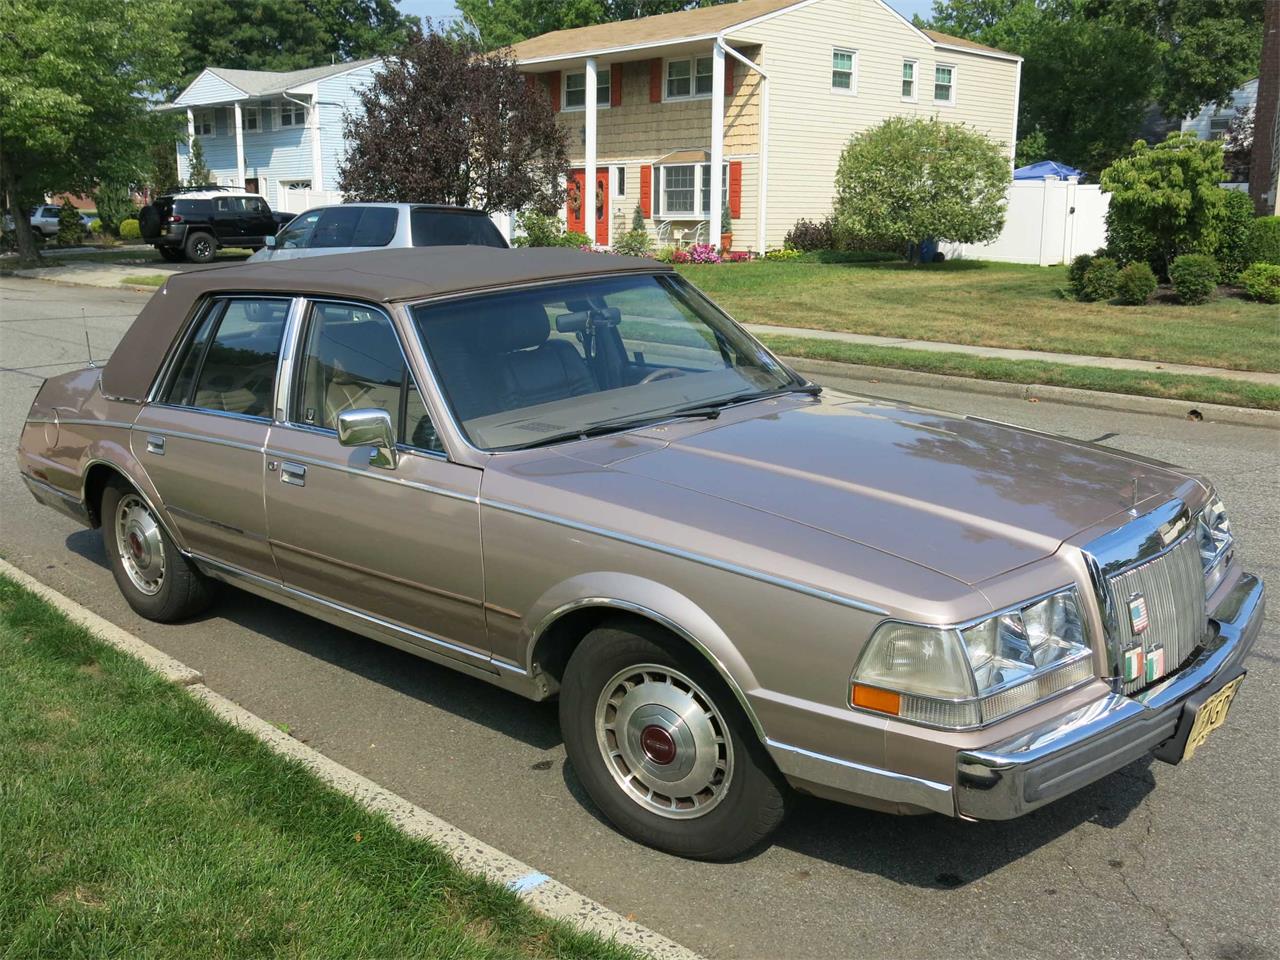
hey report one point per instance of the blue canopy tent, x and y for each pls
(1046, 168)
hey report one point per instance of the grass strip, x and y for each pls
(146, 280)
(1172, 386)
(134, 823)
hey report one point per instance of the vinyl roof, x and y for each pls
(261, 83)
(381, 276)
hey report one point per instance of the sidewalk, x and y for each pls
(98, 274)
(1001, 353)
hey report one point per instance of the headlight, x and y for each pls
(1213, 530)
(973, 674)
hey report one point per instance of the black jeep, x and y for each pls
(194, 224)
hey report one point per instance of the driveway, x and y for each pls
(1155, 861)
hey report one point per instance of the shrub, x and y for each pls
(95, 225)
(1263, 245)
(1232, 247)
(665, 255)
(1129, 243)
(633, 243)
(848, 256)
(129, 230)
(1194, 277)
(1262, 282)
(783, 254)
(1135, 284)
(1099, 280)
(738, 256)
(807, 235)
(703, 253)
(637, 219)
(70, 226)
(543, 230)
(680, 256)
(1075, 273)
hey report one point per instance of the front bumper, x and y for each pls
(1041, 765)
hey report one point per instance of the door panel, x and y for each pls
(575, 218)
(402, 545)
(601, 203)
(208, 470)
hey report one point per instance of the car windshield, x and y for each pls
(448, 228)
(534, 366)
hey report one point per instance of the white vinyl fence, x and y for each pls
(304, 198)
(1047, 221)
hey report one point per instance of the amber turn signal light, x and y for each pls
(873, 698)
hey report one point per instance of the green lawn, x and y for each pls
(146, 280)
(1193, 389)
(133, 823)
(991, 304)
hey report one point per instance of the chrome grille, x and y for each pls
(1173, 585)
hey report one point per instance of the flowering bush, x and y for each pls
(680, 256)
(783, 254)
(703, 253)
(738, 256)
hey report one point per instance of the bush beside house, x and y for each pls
(1263, 245)
(1194, 277)
(1262, 282)
(129, 230)
(1135, 284)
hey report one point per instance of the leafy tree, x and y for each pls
(1032, 148)
(198, 173)
(500, 23)
(114, 205)
(70, 226)
(1169, 193)
(911, 178)
(292, 35)
(443, 124)
(75, 77)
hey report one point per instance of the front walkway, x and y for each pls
(1002, 353)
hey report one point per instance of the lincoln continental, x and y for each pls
(574, 476)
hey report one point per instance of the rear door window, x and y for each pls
(355, 227)
(447, 228)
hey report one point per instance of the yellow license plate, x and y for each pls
(1211, 715)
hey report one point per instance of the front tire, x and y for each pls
(155, 578)
(663, 748)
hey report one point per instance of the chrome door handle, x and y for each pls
(155, 445)
(294, 473)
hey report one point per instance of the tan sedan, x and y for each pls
(572, 475)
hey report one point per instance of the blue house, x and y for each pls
(278, 134)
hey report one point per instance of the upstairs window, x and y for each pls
(842, 70)
(690, 78)
(575, 90)
(202, 123)
(1218, 127)
(908, 79)
(293, 115)
(944, 84)
(250, 119)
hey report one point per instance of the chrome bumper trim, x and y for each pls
(51, 496)
(861, 779)
(1011, 778)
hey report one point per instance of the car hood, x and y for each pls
(965, 497)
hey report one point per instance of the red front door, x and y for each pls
(579, 207)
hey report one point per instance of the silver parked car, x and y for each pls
(355, 227)
(573, 476)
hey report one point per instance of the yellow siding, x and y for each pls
(809, 123)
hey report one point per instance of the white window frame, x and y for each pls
(852, 89)
(1223, 118)
(619, 185)
(202, 118)
(945, 66)
(256, 114)
(292, 110)
(693, 93)
(603, 84)
(915, 81)
(700, 169)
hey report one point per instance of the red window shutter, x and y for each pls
(728, 77)
(615, 85)
(553, 89)
(655, 81)
(735, 188)
(530, 80)
(646, 191)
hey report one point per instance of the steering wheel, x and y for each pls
(662, 373)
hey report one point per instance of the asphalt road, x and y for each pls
(1155, 861)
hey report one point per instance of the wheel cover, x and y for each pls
(203, 248)
(140, 544)
(664, 742)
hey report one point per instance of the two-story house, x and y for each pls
(279, 134)
(751, 103)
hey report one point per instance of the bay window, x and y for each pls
(686, 190)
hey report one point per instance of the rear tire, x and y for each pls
(155, 578)
(200, 247)
(642, 714)
(171, 254)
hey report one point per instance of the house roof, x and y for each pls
(261, 83)
(663, 28)
(950, 41)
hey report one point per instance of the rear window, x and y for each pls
(355, 227)
(191, 208)
(453, 228)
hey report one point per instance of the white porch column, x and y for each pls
(317, 160)
(762, 223)
(717, 139)
(239, 120)
(589, 164)
(191, 136)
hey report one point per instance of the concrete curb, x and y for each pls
(544, 895)
(1211, 412)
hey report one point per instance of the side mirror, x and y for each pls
(270, 242)
(370, 427)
